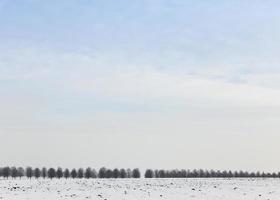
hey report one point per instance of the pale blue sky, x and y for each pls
(146, 75)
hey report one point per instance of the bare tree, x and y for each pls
(29, 172)
(116, 173)
(14, 172)
(59, 173)
(6, 172)
(20, 171)
(51, 173)
(73, 173)
(149, 173)
(123, 173)
(66, 173)
(109, 173)
(80, 173)
(37, 173)
(44, 172)
(88, 173)
(102, 172)
(136, 173)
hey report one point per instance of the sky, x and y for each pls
(143, 83)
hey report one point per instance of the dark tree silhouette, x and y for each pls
(80, 173)
(230, 174)
(51, 173)
(59, 173)
(123, 173)
(37, 173)
(88, 173)
(20, 171)
(149, 173)
(207, 174)
(6, 172)
(109, 173)
(102, 172)
(116, 173)
(136, 173)
(161, 173)
(29, 172)
(66, 173)
(156, 173)
(224, 173)
(14, 172)
(183, 173)
(195, 173)
(73, 173)
(44, 172)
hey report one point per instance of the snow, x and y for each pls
(141, 189)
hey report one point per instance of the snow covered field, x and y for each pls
(140, 189)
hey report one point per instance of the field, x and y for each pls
(141, 189)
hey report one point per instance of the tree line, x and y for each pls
(29, 172)
(207, 174)
(51, 173)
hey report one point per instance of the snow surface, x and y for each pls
(141, 189)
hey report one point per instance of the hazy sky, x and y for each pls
(142, 83)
